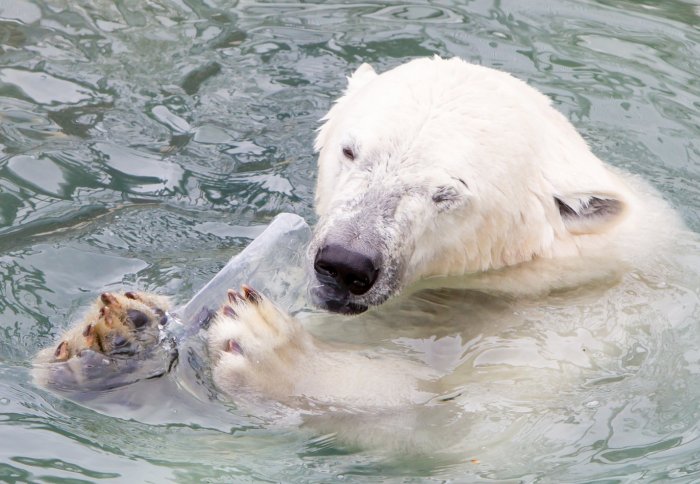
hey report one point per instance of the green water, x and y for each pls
(142, 143)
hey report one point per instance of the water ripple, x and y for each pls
(143, 143)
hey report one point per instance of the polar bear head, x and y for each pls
(441, 167)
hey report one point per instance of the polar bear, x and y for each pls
(434, 168)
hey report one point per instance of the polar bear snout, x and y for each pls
(358, 251)
(350, 270)
(346, 274)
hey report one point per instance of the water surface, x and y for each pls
(142, 143)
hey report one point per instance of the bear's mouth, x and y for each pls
(335, 299)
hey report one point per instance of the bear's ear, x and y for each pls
(357, 80)
(589, 213)
(360, 77)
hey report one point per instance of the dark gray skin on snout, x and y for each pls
(354, 257)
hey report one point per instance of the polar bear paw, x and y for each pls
(254, 345)
(109, 346)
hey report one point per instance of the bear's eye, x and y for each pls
(446, 197)
(348, 153)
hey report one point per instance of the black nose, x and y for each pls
(351, 270)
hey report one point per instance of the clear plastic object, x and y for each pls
(273, 263)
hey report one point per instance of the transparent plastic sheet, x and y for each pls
(273, 263)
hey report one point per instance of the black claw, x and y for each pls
(232, 346)
(233, 296)
(131, 295)
(251, 294)
(228, 311)
(61, 351)
(107, 299)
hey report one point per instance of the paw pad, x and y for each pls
(120, 324)
(137, 318)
